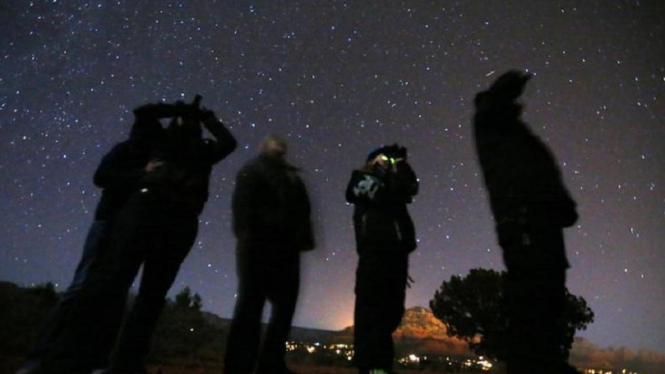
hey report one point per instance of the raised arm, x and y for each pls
(224, 143)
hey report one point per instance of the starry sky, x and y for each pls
(338, 78)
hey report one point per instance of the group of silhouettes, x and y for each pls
(155, 184)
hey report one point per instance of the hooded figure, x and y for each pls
(531, 206)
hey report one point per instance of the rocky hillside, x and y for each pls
(420, 323)
(421, 332)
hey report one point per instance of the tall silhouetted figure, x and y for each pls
(118, 175)
(531, 206)
(271, 220)
(385, 236)
(155, 229)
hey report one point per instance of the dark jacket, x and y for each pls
(183, 180)
(271, 208)
(521, 174)
(380, 217)
(122, 168)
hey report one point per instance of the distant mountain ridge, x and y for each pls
(419, 332)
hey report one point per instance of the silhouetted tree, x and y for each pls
(182, 331)
(471, 309)
(186, 300)
(577, 316)
(46, 292)
(22, 312)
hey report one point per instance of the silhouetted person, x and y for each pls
(385, 236)
(155, 229)
(118, 175)
(271, 220)
(531, 206)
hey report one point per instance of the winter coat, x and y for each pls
(521, 174)
(271, 208)
(183, 180)
(123, 167)
(380, 217)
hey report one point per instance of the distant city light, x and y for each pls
(345, 353)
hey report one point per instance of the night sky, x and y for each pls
(338, 78)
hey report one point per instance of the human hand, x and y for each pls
(381, 160)
(153, 165)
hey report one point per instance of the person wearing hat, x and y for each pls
(385, 236)
(531, 206)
